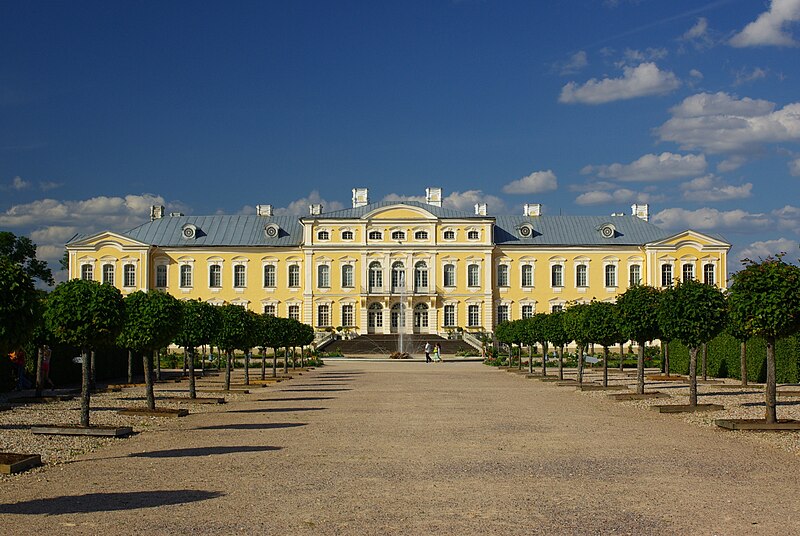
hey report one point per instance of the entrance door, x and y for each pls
(398, 318)
(375, 318)
(421, 318)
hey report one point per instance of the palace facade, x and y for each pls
(391, 267)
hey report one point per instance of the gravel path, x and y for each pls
(410, 448)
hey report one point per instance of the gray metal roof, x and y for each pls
(219, 230)
(576, 230)
(359, 212)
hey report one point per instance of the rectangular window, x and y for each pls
(129, 275)
(581, 276)
(557, 275)
(473, 316)
(294, 312)
(323, 276)
(269, 309)
(215, 276)
(323, 315)
(611, 275)
(347, 315)
(186, 276)
(527, 275)
(556, 308)
(449, 275)
(502, 275)
(449, 315)
(473, 276)
(502, 313)
(108, 274)
(269, 276)
(347, 277)
(294, 276)
(87, 272)
(708, 274)
(239, 280)
(161, 276)
(666, 275)
(688, 272)
(527, 311)
(635, 275)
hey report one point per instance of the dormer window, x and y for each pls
(272, 231)
(525, 230)
(607, 230)
(323, 235)
(189, 231)
(398, 235)
(375, 235)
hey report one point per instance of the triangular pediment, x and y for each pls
(104, 238)
(690, 238)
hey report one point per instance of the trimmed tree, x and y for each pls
(764, 300)
(19, 302)
(694, 313)
(504, 334)
(556, 334)
(85, 314)
(151, 321)
(738, 333)
(638, 313)
(602, 323)
(537, 326)
(577, 328)
(197, 327)
(231, 334)
(306, 338)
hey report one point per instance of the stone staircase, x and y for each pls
(378, 344)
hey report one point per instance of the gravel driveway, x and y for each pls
(415, 448)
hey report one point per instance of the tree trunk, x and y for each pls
(692, 376)
(219, 358)
(769, 390)
(86, 380)
(705, 360)
(302, 355)
(92, 373)
(605, 366)
(39, 372)
(247, 367)
(192, 386)
(580, 363)
(263, 363)
(147, 361)
(665, 346)
(228, 362)
(530, 359)
(640, 370)
(621, 355)
(274, 362)
(560, 362)
(286, 360)
(544, 359)
(743, 362)
(157, 357)
(185, 357)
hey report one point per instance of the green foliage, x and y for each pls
(504, 332)
(21, 251)
(692, 312)
(151, 320)
(232, 330)
(198, 323)
(603, 323)
(18, 306)
(638, 309)
(576, 324)
(554, 329)
(764, 298)
(85, 314)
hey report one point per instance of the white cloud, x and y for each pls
(621, 195)
(694, 73)
(652, 167)
(720, 123)
(711, 188)
(746, 75)
(699, 35)
(697, 31)
(711, 219)
(576, 62)
(646, 79)
(300, 206)
(466, 201)
(788, 217)
(536, 182)
(17, 183)
(731, 164)
(771, 27)
(46, 186)
(398, 197)
(763, 249)
(794, 167)
(632, 56)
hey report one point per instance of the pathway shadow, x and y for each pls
(779, 403)
(731, 393)
(201, 451)
(313, 390)
(107, 502)
(296, 398)
(274, 410)
(253, 426)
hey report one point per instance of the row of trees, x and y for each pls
(763, 300)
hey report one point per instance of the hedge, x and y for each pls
(724, 358)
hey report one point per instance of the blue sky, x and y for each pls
(586, 106)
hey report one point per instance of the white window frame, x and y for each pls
(374, 234)
(527, 314)
(129, 276)
(293, 278)
(352, 315)
(553, 282)
(87, 267)
(503, 312)
(453, 279)
(446, 232)
(347, 274)
(165, 268)
(186, 272)
(375, 275)
(421, 279)
(211, 267)
(684, 266)
(473, 315)
(473, 275)
(293, 311)
(269, 274)
(323, 275)
(326, 315)
(581, 267)
(239, 275)
(108, 276)
(526, 279)
(503, 272)
(610, 275)
(713, 273)
(638, 281)
(450, 312)
(662, 272)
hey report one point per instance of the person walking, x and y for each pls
(427, 352)
(437, 353)
(46, 355)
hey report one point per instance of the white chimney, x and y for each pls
(480, 209)
(156, 212)
(315, 209)
(264, 210)
(641, 211)
(360, 197)
(433, 196)
(533, 209)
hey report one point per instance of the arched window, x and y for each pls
(186, 275)
(708, 274)
(215, 276)
(108, 274)
(421, 235)
(420, 315)
(87, 272)
(449, 279)
(581, 275)
(294, 275)
(323, 276)
(449, 235)
(666, 275)
(527, 275)
(611, 275)
(347, 235)
(269, 276)
(398, 235)
(375, 235)
(347, 276)
(161, 276)
(557, 275)
(129, 275)
(502, 275)
(398, 276)
(421, 276)
(473, 275)
(687, 271)
(635, 275)
(473, 235)
(375, 275)
(375, 316)
(239, 276)
(323, 235)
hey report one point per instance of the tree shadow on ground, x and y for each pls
(296, 398)
(274, 410)
(779, 403)
(253, 426)
(313, 390)
(731, 393)
(107, 502)
(201, 451)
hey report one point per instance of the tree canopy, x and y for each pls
(638, 313)
(198, 324)
(152, 320)
(22, 251)
(85, 313)
(18, 306)
(602, 323)
(693, 312)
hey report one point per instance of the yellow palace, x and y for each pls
(398, 267)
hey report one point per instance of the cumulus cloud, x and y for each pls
(731, 164)
(694, 73)
(575, 63)
(699, 35)
(711, 188)
(771, 28)
(300, 206)
(536, 182)
(766, 248)
(720, 123)
(794, 167)
(711, 219)
(788, 218)
(46, 186)
(745, 75)
(632, 56)
(621, 195)
(652, 167)
(643, 80)
(398, 197)
(466, 201)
